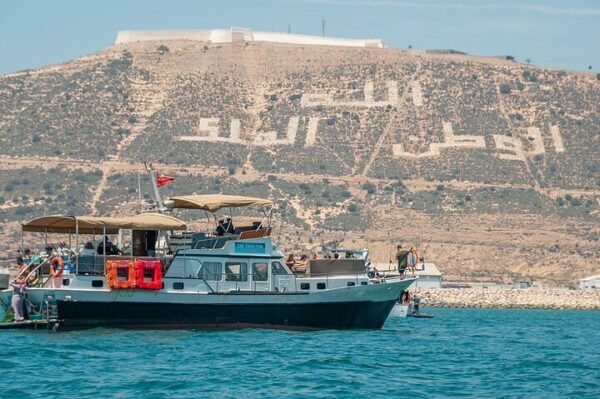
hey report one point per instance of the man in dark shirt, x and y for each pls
(401, 257)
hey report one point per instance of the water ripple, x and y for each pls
(461, 352)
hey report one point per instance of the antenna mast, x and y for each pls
(154, 180)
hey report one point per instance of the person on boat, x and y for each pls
(221, 228)
(63, 250)
(106, 247)
(23, 259)
(17, 302)
(229, 228)
(300, 266)
(87, 249)
(314, 256)
(406, 298)
(369, 271)
(378, 276)
(47, 251)
(401, 258)
(290, 261)
(336, 255)
(411, 260)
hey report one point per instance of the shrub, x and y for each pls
(369, 187)
(352, 207)
(163, 49)
(505, 88)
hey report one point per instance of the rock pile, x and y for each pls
(532, 298)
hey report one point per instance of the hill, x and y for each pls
(491, 166)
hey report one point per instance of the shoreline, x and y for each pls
(518, 298)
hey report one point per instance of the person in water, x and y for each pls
(18, 297)
(401, 258)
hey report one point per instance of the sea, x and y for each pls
(480, 353)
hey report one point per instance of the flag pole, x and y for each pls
(153, 178)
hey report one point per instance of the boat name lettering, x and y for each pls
(250, 247)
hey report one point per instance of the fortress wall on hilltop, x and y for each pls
(241, 34)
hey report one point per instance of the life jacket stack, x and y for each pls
(130, 274)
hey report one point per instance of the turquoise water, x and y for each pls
(461, 352)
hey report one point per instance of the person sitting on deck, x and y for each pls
(221, 229)
(106, 247)
(47, 251)
(229, 226)
(63, 250)
(290, 261)
(405, 297)
(87, 250)
(300, 266)
(24, 258)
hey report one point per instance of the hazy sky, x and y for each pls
(563, 34)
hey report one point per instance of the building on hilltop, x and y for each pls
(241, 35)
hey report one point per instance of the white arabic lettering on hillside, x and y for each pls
(516, 147)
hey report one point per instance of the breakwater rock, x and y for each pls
(531, 298)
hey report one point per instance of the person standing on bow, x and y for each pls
(412, 259)
(401, 258)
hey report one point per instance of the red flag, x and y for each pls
(163, 180)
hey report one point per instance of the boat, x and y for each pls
(229, 277)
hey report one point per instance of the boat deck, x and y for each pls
(46, 324)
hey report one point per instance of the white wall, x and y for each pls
(593, 283)
(226, 36)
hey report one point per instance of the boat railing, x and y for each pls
(213, 241)
(37, 272)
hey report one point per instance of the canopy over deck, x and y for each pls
(214, 202)
(110, 225)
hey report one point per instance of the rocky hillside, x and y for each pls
(350, 141)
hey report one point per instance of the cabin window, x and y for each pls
(236, 271)
(305, 286)
(260, 271)
(97, 283)
(183, 267)
(321, 286)
(351, 284)
(278, 269)
(211, 271)
(178, 286)
(363, 283)
(66, 282)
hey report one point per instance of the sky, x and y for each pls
(552, 33)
